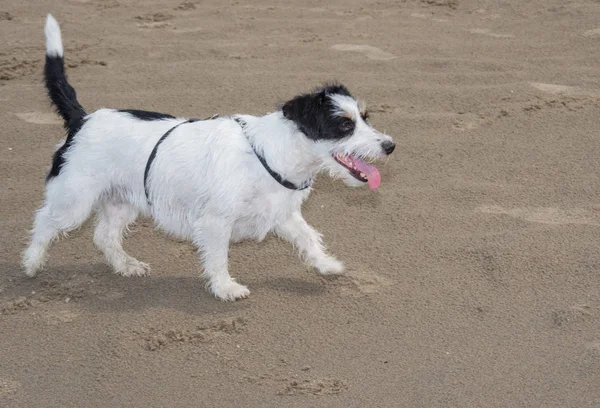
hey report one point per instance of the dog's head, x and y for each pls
(343, 139)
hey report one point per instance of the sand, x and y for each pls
(473, 272)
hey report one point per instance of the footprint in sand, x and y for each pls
(464, 125)
(187, 30)
(154, 17)
(468, 121)
(571, 315)
(154, 20)
(59, 317)
(324, 386)
(155, 339)
(39, 118)
(565, 90)
(158, 24)
(186, 6)
(365, 283)
(488, 32)
(8, 387)
(107, 4)
(14, 68)
(370, 51)
(546, 215)
(451, 4)
(426, 16)
(592, 33)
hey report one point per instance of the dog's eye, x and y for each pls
(347, 125)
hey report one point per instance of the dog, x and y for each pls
(213, 181)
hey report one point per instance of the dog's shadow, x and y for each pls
(94, 287)
(290, 285)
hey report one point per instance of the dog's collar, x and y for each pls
(286, 183)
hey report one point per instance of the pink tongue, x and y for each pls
(371, 172)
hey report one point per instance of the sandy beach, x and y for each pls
(472, 274)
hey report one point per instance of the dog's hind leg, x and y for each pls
(212, 236)
(62, 212)
(113, 219)
(308, 241)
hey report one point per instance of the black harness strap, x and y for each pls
(286, 183)
(153, 154)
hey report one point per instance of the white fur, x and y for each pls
(364, 143)
(54, 46)
(206, 185)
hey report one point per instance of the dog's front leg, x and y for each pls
(308, 241)
(212, 235)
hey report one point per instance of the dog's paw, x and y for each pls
(329, 266)
(32, 268)
(34, 260)
(31, 271)
(229, 290)
(133, 267)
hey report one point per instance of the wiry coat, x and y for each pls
(205, 184)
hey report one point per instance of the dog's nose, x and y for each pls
(388, 147)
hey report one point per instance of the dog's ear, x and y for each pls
(305, 111)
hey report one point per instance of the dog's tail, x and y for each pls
(62, 95)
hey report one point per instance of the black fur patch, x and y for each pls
(58, 159)
(147, 115)
(64, 99)
(313, 113)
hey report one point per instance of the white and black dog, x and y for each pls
(212, 181)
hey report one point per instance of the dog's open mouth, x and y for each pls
(359, 169)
